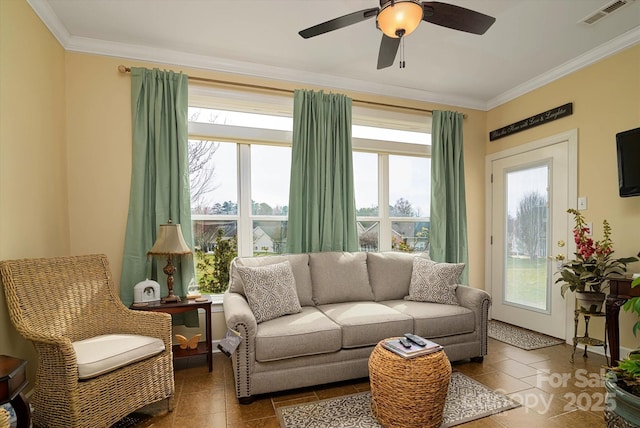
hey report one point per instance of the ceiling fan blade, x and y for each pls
(388, 51)
(456, 17)
(340, 22)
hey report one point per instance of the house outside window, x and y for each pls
(240, 163)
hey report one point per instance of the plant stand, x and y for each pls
(586, 340)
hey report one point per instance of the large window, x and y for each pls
(240, 166)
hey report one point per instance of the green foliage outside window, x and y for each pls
(213, 268)
(421, 242)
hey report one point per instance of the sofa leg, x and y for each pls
(246, 400)
(477, 359)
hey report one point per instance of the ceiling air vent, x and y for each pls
(614, 6)
(605, 10)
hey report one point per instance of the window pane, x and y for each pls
(269, 237)
(216, 245)
(205, 233)
(270, 176)
(236, 118)
(369, 235)
(365, 176)
(386, 134)
(526, 276)
(409, 186)
(213, 171)
(410, 236)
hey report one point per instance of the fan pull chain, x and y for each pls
(402, 52)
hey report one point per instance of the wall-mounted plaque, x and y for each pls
(533, 121)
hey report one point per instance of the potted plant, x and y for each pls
(623, 381)
(588, 274)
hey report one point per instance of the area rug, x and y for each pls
(131, 421)
(467, 400)
(520, 337)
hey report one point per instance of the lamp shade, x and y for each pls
(169, 241)
(399, 18)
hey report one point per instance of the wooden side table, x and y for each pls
(180, 307)
(620, 291)
(13, 380)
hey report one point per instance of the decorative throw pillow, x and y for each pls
(434, 282)
(270, 290)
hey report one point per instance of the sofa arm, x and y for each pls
(239, 317)
(479, 302)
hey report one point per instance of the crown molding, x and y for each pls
(182, 59)
(620, 43)
(50, 20)
(171, 57)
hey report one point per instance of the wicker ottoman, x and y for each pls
(408, 392)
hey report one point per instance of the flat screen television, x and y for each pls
(628, 147)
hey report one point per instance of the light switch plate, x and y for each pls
(582, 203)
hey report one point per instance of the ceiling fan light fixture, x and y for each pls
(399, 18)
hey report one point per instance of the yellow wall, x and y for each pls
(34, 220)
(65, 149)
(606, 100)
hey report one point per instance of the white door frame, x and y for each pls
(570, 136)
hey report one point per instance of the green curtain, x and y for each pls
(448, 234)
(322, 208)
(159, 178)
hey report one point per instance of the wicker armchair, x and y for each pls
(4, 418)
(56, 301)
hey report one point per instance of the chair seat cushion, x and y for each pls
(102, 354)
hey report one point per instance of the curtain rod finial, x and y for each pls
(123, 69)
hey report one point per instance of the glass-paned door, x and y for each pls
(531, 190)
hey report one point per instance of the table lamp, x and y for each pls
(169, 243)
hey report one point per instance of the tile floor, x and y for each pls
(554, 392)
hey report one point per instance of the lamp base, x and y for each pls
(170, 299)
(169, 270)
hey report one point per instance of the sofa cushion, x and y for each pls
(434, 282)
(299, 267)
(390, 273)
(433, 320)
(270, 290)
(103, 354)
(309, 332)
(339, 277)
(366, 323)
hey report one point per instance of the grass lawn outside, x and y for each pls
(526, 281)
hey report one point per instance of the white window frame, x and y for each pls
(280, 105)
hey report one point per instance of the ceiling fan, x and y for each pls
(399, 18)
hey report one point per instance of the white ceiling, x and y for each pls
(532, 43)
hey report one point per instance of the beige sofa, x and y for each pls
(347, 303)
